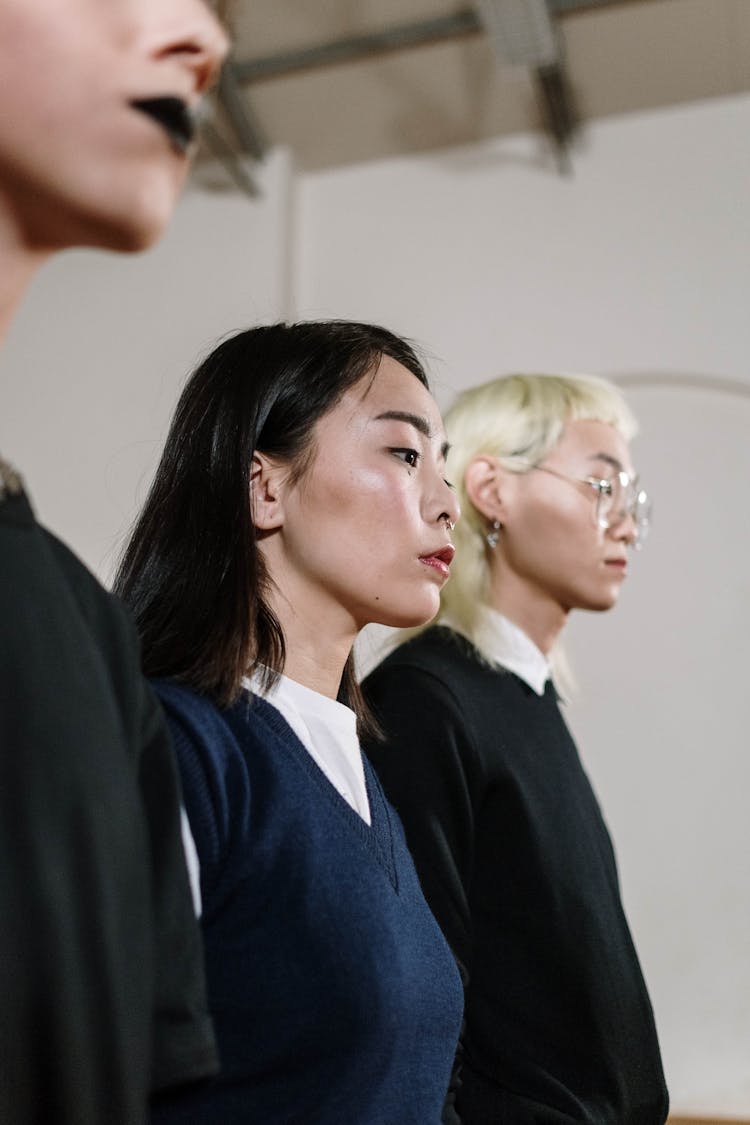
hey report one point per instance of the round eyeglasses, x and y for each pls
(617, 496)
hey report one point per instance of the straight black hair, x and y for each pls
(191, 573)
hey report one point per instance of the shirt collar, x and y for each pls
(327, 729)
(287, 694)
(507, 644)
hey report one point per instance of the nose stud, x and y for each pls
(449, 523)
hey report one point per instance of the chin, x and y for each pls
(412, 617)
(121, 232)
(601, 604)
(138, 230)
(138, 218)
(128, 215)
(132, 238)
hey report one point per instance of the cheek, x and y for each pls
(371, 519)
(367, 496)
(548, 527)
(554, 543)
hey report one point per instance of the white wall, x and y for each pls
(94, 363)
(637, 263)
(638, 259)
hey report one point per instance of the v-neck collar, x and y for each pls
(376, 837)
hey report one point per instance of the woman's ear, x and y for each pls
(485, 480)
(266, 493)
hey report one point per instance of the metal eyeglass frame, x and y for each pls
(604, 488)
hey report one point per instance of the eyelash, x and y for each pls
(404, 454)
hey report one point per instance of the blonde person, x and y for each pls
(507, 835)
(102, 996)
(300, 495)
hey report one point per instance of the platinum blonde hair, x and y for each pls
(518, 419)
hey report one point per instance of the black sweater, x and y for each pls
(101, 974)
(517, 865)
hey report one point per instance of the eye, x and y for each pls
(450, 484)
(409, 456)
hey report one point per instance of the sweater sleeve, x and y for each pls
(431, 774)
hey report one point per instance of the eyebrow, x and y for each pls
(608, 460)
(416, 420)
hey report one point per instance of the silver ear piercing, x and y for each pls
(493, 534)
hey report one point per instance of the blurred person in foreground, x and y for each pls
(508, 837)
(102, 998)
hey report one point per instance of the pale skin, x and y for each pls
(364, 536)
(551, 556)
(79, 165)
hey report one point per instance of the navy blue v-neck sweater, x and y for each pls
(334, 994)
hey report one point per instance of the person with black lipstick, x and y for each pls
(102, 998)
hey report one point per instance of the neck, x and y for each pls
(315, 655)
(531, 609)
(18, 265)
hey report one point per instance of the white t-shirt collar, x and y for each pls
(328, 731)
(507, 644)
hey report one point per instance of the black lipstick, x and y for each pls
(176, 118)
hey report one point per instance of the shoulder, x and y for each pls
(210, 744)
(214, 732)
(108, 623)
(99, 606)
(97, 627)
(438, 652)
(438, 667)
(44, 587)
(421, 697)
(198, 716)
(226, 759)
(215, 778)
(437, 695)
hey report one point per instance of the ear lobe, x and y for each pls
(266, 504)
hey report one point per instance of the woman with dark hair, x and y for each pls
(300, 496)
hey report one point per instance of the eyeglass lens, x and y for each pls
(623, 497)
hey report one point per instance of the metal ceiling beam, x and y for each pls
(558, 108)
(354, 48)
(244, 124)
(558, 111)
(521, 32)
(220, 149)
(357, 47)
(237, 140)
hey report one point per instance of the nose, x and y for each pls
(451, 512)
(190, 34)
(625, 529)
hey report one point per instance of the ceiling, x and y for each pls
(285, 86)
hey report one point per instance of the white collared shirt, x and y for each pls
(506, 644)
(328, 731)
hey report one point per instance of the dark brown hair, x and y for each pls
(191, 573)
